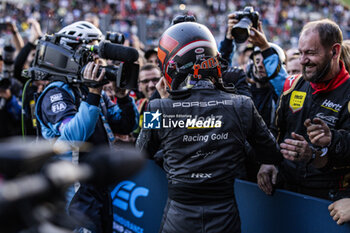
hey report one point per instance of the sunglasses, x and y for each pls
(153, 80)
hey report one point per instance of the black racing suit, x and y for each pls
(236, 77)
(201, 162)
(299, 102)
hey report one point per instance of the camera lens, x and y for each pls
(115, 37)
(111, 72)
(8, 54)
(241, 30)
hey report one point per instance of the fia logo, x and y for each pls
(58, 107)
(151, 120)
(125, 194)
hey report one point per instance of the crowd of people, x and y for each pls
(282, 20)
(277, 104)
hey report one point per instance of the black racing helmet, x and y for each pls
(181, 47)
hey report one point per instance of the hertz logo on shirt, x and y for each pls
(297, 100)
(331, 106)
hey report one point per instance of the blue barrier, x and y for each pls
(138, 203)
(138, 206)
(284, 212)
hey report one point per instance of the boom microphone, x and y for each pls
(25, 197)
(115, 52)
(112, 165)
(102, 167)
(19, 157)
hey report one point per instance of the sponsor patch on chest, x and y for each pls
(296, 101)
(56, 97)
(58, 107)
(328, 104)
(330, 120)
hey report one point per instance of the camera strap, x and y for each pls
(108, 129)
(78, 93)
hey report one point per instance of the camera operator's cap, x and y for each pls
(275, 47)
(279, 51)
(256, 50)
(80, 29)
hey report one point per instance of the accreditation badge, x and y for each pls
(297, 100)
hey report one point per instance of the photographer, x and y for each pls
(268, 74)
(77, 113)
(265, 72)
(266, 82)
(10, 26)
(10, 94)
(34, 87)
(26, 54)
(245, 25)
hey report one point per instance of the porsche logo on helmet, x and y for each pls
(199, 50)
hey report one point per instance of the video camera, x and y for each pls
(247, 18)
(55, 61)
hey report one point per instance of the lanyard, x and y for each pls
(106, 125)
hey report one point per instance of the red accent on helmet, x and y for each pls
(181, 45)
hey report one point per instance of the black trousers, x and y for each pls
(219, 217)
(92, 207)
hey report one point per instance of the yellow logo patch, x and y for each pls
(297, 100)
